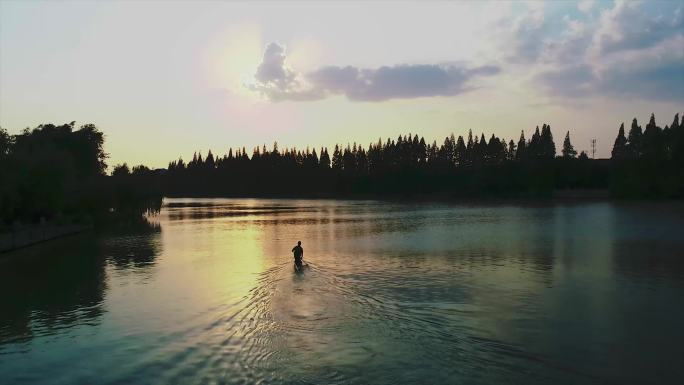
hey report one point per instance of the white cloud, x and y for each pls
(629, 50)
(522, 31)
(586, 5)
(277, 82)
(628, 26)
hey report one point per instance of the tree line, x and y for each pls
(649, 163)
(57, 171)
(644, 165)
(472, 166)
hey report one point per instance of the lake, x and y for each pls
(396, 293)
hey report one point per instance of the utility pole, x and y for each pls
(593, 149)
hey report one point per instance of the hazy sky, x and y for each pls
(163, 79)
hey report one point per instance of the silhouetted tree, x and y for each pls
(511, 153)
(337, 158)
(676, 142)
(469, 149)
(55, 173)
(460, 152)
(209, 163)
(568, 150)
(522, 147)
(140, 170)
(634, 140)
(5, 142)
(650, 166)
(548, 148)
(121, 170)
(652, 144)
(620, 146)
(534, 147)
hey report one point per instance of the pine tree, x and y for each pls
(652, 145)
(548, 147)
(634, 141)
(209, 163)
(314, 158)
(325, 159)
(469, 148)
(337, 158)
(511, 153)
(448, 151)
(675, 123)
(432, 152)
(522, 146)
(422, 150)
(620, 146)
(348, 160)
(534, 146)
(496, 150)
(477, 152)
(676, 141)
(568, 150)
(452, 149)
(460, 151)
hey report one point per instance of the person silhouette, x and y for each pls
(298, 252)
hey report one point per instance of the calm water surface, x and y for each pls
(396, 294)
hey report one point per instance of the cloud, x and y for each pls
(629, 51)
(574, 81)
(627, 26)
(654, 73)
(586, 5)
(521, 32)
(277, 82)
(400, 81)
(272, 68)
(570, 48)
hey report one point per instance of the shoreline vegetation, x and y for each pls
(56, 175)
(645, 164)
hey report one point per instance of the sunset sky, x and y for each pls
(164, 79)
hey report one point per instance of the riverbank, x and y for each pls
(558, 195)
(31, 235)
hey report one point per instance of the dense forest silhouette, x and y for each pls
(647, 165)
(58, 172)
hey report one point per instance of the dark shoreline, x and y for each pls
(592, 196)
(595, 195)
(32, 235)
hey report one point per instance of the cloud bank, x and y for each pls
(278, 82)
(616, 50)
(629, 49)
